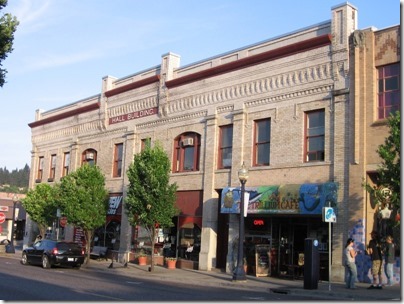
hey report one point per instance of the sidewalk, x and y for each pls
(216, 278)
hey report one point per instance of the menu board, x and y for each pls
(79, 236)
(262, 260)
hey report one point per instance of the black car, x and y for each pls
(50, 253)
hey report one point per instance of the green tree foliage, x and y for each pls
(390, 152)
(8, 25)
(83, 199)
(150, 201)
(40, 204)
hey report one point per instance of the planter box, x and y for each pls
(187, 264)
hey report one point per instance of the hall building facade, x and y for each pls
(280, 106)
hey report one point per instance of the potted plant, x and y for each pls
(171, 262)
(142, 258)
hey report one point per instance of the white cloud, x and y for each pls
(32, 15)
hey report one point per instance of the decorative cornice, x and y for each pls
(255, 87)
(132, 86)
(64, 115)
(253, 60)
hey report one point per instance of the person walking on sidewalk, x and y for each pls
(375, 253)
(350, 255)
(389, 260)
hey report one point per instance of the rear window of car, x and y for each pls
(66, 246)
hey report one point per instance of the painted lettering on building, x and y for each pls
(133, 115)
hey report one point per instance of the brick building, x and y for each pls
(281, 106)
(375, 88)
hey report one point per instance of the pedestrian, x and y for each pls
(389, 260)
(350, 255)
(375, 252)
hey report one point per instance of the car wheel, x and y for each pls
(45, 262)
(24, 259)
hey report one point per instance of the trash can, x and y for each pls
(311, 264)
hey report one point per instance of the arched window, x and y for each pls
(186, 152)
(89, 156)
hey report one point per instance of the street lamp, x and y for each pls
(239, 274)
(11, 247)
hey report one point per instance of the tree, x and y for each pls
(40, 204)
(83, 199)
(389, 152)
(8, 25)
(150, 200)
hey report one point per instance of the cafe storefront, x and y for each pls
(278, 220)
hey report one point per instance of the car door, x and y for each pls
(37, 251)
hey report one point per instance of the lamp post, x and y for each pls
(11, 248)
(239, 274)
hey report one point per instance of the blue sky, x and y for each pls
(63, 48)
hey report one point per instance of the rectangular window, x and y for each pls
(52, 170)
(146, 142)
(118, 153)
(315, 135)
(66, 164)
(39, 174)
(225, 146)
(262, 142)
(388, 90)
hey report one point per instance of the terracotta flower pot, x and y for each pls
(142, 260)
(171, 264)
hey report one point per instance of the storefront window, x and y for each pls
(189, 242)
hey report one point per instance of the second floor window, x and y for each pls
(146, 142)
(315, 135)
(118, 153)
(262, 142)
(39, 174)
(186, 152)
(225, 146)
(52, 170)
(89, 156)
(66, 164)
(388, 90)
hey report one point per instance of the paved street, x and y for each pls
(260, 285)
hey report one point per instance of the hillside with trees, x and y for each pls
(15, 181)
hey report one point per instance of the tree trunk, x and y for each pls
(153, 234)
(88, 235)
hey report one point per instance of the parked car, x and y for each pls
(50, 253)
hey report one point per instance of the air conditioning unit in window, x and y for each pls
(188, 142)
(89, 156)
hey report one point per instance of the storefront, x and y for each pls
(183, 240)
(279, 219)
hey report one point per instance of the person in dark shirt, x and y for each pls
(374, 250)
(389, 260)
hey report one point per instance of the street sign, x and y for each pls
(2, 217)
(4, 208)
(329, 215)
